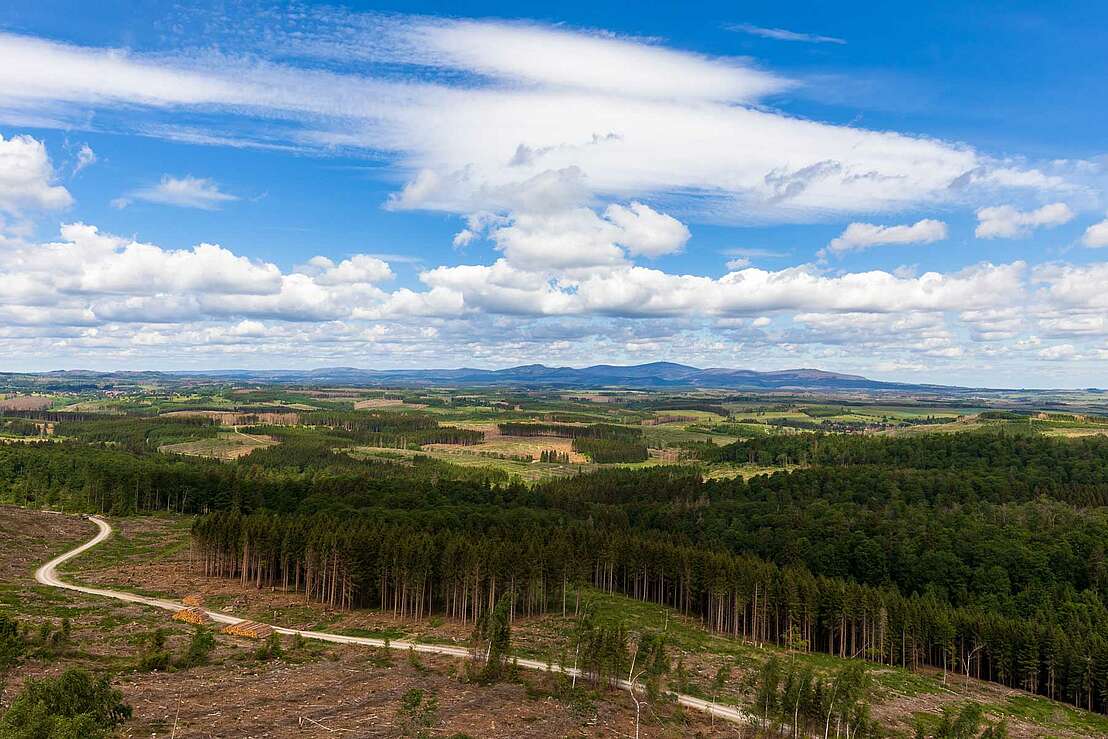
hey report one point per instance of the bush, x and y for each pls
(11, 643)
(74, 705)
(154, 658)
(199, 649)
(418, 712)
(270, 649)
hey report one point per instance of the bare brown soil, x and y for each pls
(30, 538)
(229, 418)
(516, 446)
(359, 695)
(25, 403)
(373, 403)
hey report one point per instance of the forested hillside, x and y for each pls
(978, 553)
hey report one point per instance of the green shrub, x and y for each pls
(74, 705)
(199, 648)
(11, 642)
(155, 657)
(270, 648)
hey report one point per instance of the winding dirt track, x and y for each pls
(47, 575)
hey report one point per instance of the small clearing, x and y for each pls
(230, 445)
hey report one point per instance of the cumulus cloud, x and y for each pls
(646, 231)
(1096, 235)
(1006, 222)
(27, 176)
(360, 269)
(89, 277)
(182, 192)
(120, 300)
(629, 290)
(1059, 352)
(860, 236)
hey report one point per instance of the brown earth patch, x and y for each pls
(229, 418)
(376, 403)
(26, 403)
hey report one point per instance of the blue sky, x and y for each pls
(910, 191)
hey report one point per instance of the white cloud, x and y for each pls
(629, 290)
(1073, 286)
(26, 177)
(89, 277)
(633, 118)
(86, 157)
(183, 192)
(647, 232)
(1096, 235)
(360, 269)
(737, 263)
(1006, 222)
(780, 34)
(859, 236)
(598, 62)
(564, 239)
(1059, 352)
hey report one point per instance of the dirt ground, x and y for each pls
(315, 690)
(378, 403)
(360, 695)
(499, 443)
(29, 538)
(25, 403)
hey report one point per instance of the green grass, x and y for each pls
(1050, 714)
(148, 546)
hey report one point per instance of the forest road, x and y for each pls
(48, 575)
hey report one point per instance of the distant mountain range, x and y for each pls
(654, 375)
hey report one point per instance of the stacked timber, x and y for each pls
(192, 616)
(249, 629)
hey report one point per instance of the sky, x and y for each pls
(909, 191)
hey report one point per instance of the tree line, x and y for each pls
(590, 431)
(603, 451)
(459, 564)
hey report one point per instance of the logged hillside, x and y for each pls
(972, 553)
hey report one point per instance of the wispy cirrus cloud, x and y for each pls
(182, 192)
(781, 34)
(634, 117)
